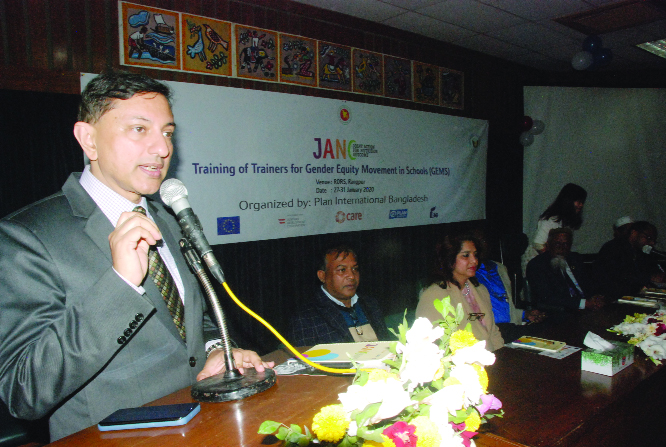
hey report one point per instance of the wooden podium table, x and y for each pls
(547, 402)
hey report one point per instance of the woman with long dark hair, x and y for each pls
(458, 260)
(565, 211)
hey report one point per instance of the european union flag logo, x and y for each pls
(228, 225)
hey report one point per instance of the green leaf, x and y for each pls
(372, 435)
(439, 306)
(362, 378)
(348, 441)
(295, 428)
(367, 413)
(307, 431)
(437, 384)
(268, 427)
(419, 396)
(392, 363)
(282, 433)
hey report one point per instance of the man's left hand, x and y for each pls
(243, 359)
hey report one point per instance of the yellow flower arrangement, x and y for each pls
(473, 422)
(483, 376)
(387, 443)
(461, 339)
(429, 397)
(426, 432)
(331, 423)
(377, 375)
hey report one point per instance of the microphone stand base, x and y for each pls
(223, 388)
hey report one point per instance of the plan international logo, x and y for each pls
(398, 214)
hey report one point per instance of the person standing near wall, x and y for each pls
(565, 211)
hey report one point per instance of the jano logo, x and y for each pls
(433, 214)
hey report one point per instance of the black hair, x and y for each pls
(563, 208)
(447, 252)
(337, 250)
(98, 96)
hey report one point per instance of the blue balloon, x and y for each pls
(603, 57)
(592, 44)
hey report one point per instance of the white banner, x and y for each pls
(264, 165)
(609, 141)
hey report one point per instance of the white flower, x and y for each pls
(423, 331)
(352, 429)
(389, 392)
(449, 438)
(474, 354)
(656, 351)
(420, 362)
(469, 378)
(654, 347)
(354, 398)
(447, 400)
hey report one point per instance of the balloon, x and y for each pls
(582, 60)
(537, 127)
(526, 123)
(526, 138)
(592, 44)
(603, 57)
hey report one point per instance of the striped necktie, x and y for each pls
(164, 282)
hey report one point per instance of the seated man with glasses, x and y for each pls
(557, 278)
(622, 267)
(337, 314)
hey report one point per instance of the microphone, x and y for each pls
(174, 195)
(647, 249)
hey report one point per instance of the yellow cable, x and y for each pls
(282, 339)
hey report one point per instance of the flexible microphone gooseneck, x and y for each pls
(174, 195)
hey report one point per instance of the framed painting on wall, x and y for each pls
(206, 45)
(426, 83)
(334, 66)
(452, 87)
(298, 64)
(149, 37)
(397, 78)
(257, 53)
(367, 72)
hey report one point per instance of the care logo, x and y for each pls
(341, 216)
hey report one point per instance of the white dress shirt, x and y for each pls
(113, 205)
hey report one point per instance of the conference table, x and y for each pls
(547, 402)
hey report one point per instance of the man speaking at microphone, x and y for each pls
(87, 325)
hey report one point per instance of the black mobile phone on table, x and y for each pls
(147, 417)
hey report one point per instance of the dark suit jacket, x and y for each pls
(64, 311)
(620, 271)
(548, 287)
(319, 321)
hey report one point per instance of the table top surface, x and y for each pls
(546, 401)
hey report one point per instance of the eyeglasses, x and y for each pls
(475, 316)
(649, 237)
(354, 318)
